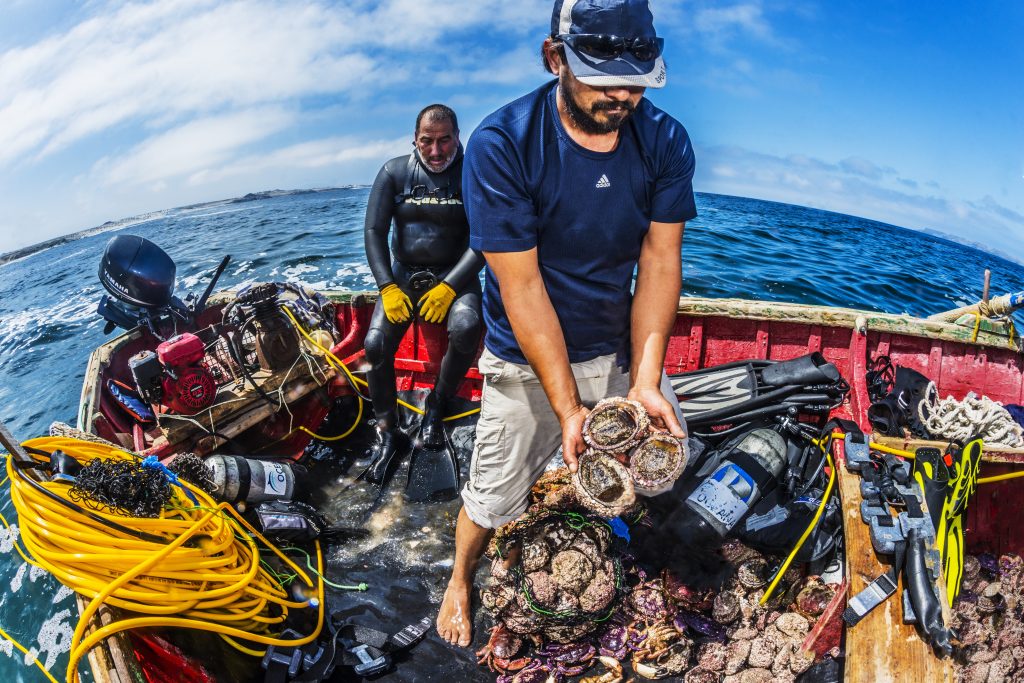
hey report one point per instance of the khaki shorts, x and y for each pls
(518, 433)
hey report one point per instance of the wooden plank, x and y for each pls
(880, 647)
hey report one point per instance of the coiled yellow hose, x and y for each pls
(195, 566)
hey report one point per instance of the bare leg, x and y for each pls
(455, 619)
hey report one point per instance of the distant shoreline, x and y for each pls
(132, 220)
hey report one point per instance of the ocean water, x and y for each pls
(736, 248)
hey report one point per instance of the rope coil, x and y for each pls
(972, 417)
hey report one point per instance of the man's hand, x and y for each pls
(572, 435)
(662, 415)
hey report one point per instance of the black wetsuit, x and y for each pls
(430, 243)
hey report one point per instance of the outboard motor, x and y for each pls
(139, 277)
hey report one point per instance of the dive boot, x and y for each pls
(385, 454)
(432, 427)
(900, 408)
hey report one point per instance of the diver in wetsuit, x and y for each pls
(433, 266)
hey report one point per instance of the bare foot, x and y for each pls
(455, 620)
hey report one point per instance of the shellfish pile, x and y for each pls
(659, 627)
(624, 454)
(554, 575)
(988, 617)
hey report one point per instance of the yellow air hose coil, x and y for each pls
(195, 566)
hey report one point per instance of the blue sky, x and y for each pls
(908, 113)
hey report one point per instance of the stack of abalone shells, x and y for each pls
(624, 454)
(988, 617)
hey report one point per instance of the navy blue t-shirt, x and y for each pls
(527, 184)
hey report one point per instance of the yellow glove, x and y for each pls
(434, 304)
(397, 305)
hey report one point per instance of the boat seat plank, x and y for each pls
(880, 647)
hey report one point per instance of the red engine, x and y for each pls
(188, 387)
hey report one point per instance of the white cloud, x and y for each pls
(191, 147)
(722, 23)
(174, 59)
(312, 154)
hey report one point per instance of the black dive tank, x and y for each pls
(137, 271)
(748, 467)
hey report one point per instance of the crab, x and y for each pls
(500, 651)
(648, 603)
(612, 641)
(686, 595)
(569, 659)
(615, 424)
(692, 622)
(613, 673)
(535, 672)
(657, 461)
(664, 652)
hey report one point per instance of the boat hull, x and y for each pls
(709, 332)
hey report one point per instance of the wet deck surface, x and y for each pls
(405, 560)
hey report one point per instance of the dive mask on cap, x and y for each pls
(604, 47)
(610, 43)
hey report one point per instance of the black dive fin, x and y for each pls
(716, 388)
(433, 473)
(756, 389)
(808, 370)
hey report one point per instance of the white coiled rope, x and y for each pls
(969, 418)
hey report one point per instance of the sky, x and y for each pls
(907, 113)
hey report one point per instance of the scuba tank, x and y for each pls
(748, 468)
(237, 479)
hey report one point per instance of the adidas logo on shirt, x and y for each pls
(603, 182)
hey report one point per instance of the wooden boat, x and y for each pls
(707, 332)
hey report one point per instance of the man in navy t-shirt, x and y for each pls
(568, 191)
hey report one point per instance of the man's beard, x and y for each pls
(443, 165)
(586, 121)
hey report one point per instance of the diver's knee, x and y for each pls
(375, 345)
(464, 331)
